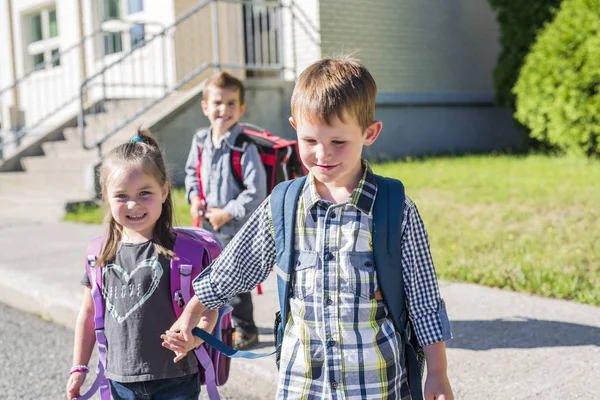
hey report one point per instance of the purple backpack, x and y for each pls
(196, 249)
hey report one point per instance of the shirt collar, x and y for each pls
(228, 138)
(362, 197)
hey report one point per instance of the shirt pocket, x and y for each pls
(359, 270)
(305, 266)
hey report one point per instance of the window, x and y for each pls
(134, 6)
(136, 33)
(36, 28)
(38, 61)
(121, 36)
(113, 43)
(42, 37)
(52, 25)
(55, 58)
(112, 10)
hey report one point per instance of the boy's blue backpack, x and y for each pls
(387, 225)
(388, 213)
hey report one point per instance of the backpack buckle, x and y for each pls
(178, 298)
(92, 260)
(185, 269)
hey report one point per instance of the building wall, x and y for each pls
(439, 130)
(423, 46)
(301, 37)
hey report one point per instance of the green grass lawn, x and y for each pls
(522, 223)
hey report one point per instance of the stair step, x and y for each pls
(56, 147)
(64, 162)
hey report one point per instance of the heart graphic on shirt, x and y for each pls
(125, 277)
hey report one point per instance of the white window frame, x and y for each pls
(44, 46)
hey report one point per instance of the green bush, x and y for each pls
(519, 23)
(557, 93)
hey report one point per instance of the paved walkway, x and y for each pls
(506, 346)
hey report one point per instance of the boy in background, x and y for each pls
(218, 201)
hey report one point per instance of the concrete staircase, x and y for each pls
(64, 173)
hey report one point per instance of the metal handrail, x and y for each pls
(23, 129)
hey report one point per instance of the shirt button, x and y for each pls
(330, 256)
(298, 262)
(331, 343)
(334, 385)
(332, 215)
(329, 301)
(368, 263)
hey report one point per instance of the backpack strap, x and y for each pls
(199, 173)
(388, 212)
(239, 146)
(235, 158)
(196, 220)
(94, 273)
(387, 249)
(190, 255)
(284, 202)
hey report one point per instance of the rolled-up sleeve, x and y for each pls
(427, 310)
(255, 185)
(191, 179)
(245, 262)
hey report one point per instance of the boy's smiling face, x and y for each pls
(223, 108)
(333, 152)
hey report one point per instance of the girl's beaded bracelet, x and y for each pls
(79, 368)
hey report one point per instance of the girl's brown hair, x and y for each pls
(141, 152)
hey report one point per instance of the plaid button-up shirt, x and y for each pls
(339, 342)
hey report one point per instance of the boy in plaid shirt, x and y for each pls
(339, 341)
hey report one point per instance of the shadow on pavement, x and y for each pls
(522, 333)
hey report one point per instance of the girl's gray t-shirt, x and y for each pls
(138, 309)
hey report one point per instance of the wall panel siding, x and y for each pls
(301, 36)
(425, 46)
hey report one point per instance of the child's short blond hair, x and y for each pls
(223, 80)
(331, 87)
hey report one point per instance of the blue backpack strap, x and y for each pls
(216, 343)
(284, 201)
(387, 249)
(387, 221)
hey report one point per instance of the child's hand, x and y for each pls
(175, 342)
(437, 387)
(218, 217)
(74, 383)
(196, 204)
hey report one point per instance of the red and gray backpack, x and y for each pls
(279, 156)
(196, 249)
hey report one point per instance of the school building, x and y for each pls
(77, 77)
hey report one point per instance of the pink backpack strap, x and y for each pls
(191, 254)
(95, 277)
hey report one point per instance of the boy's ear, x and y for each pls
(242, 109)
(372, 133)
(292, 123)
(204, 106)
